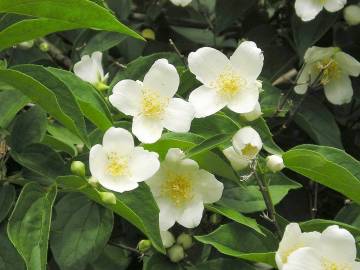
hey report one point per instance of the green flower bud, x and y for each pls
(352, 14)
(144, 245)
(78, 168)
(80, 147)
(215, 219)
(101, 86)
(148, 33)
(44, 46)
(107, 197)
(93, 182)
(176, 253)
(26, 44)
(185, 240)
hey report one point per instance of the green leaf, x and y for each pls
(239, 241)
(235, 216)
(321, 224)
(326, 165)
(12, 101)
(112, 258)
(29, 224)
(80, 231)
(9, 257)
(29, 127)
(306, 34)
(7, 199)
(319, 123)
(349, 214)
(208, 144)
(91, 103)
(102, 42)
(160, 262)
(129, 205)
(69, 14)
(59, 145)
(200, 36)
(223, 263)
(270, 100)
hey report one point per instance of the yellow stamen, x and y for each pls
(330, 70)
(117, 165)
(229, 83)
(153, 104)
(250, 151)
(329, 265)
(178, 188)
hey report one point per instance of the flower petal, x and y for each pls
(162, 77)
(348, 63)
(147, 129)
(314, 53)
(127, 97)
(237, 161)
(143, 164)
(207, 64)
(97, 60)
(167, 238)
(192, 214)
(87, 70)
(168, 214)
(334, 5)
(308, 9)
(339, 91)
(118, 183)
(248, 59)
(118, 140)
(245, 136)
(304, 258)
(245, 101)
(178, 115)
(208, 186)
(304, 79)
(97, 161)
(206, 101)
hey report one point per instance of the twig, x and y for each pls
(131, 249)
(57, 54)
(182, 57)
(314, 208)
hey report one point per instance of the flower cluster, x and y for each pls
(334, 248)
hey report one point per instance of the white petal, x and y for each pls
(192, 214)
(356, 266)
(208, 186)
(181, 3)
(206, 101)
(168, 214)
(97, 60)
(143, 164)
(314, 53)
(118, 140)
(246, 135)
(348, 63)
(337, 245)
(178, 115)
(304, 259)
(147, 129)
(334, 5)
(339, 91)
(174, 155)
(163, 78)
(246, 100)
(97, 161)
(237, 161)
(207, 64)
(308, 9)
(118, 183)
(127, 97)
(175, 160)
(156, 181)
(254, 114)
(304, 80)
(248, 59)
(167, 238)
(87, 70)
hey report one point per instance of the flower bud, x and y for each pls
(107, 197)
(275, 163)
(215, 219)
(44, 46)
(352, 14)
(93, 182)
(144, 245)
(176, 253)
(26, 44)
(80, 147)
(101, 86)
(167, 238)
(254, 114)
(148, 34)
(185, 240)
(78, 168)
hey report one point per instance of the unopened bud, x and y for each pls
(148, 33)
(215, 219)
(44, 46)
(93, 182)
(78, 168)
(144, 245)
(185, 240)
(275, 163)
(80, 147)
(176, 253)
(352, 14)
(167, 238)
(101, 86)
(107, 197)
(26, 44)
(254, 114)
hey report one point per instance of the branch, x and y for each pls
(56, 54)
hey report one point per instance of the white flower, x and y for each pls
(293, 239)
(118, 165)
(308, 9)
(254, 114)
(226, 82)
(90, 69)
(182, 3)
(167, 239)
(181, 189)
(352, 14)
(247, 142)
(335, 250)
(151, 103)
(275, 163)
(332, 68)
(237, 161)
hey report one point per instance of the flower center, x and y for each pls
(285, 254)
(153, 104)
(117, 165)
(330, 70)
(249, 151)
(229, 83)
(329, 265)
(178, 188)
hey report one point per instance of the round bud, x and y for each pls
(254, 114)
(275, 163)
(80, 147)
(44, 46)
(148, 33)
(93, 182)
(78, 168)
(167, 238)
(215, 219)
(352, 14)
(176, 253)
(144, 245)
(26, 44)
(185, 240)
(107, 197)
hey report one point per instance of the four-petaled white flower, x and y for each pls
(293, 239)
(181, 189)
(226, 82)
(332, 68)
(335, 250)
(151, 103)
(90, 69)
(308, 9)
(118, 165)
(181, 3)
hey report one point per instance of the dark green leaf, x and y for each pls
(350, 214)
(11, 102)
(208, 144)
(102, 42)
(223, 263)
(7, 199)
(9, 257)
(112, 258)
(160, 262)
